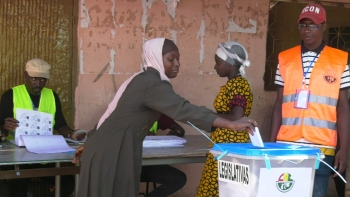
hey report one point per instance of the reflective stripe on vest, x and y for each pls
(310, 122)
(316, 124)
(292, 121)
(313, 99)
(22, 100)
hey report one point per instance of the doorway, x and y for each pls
(39, 29)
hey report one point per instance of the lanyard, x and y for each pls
(308, 68)
(35, 109)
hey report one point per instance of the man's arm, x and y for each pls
(276, 120)
(176, 129)
(60, 121)
(67, 132)
(6, 113)
(165, 122)
(61, 124)
(343, 126)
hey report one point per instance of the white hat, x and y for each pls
(38, 68)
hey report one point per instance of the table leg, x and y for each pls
(76, 183)
(58, 182)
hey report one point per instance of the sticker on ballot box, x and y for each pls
(285, 182)
(233, 173)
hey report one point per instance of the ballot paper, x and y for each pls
(46, 144)
(32, 123)
(256, 138)
(163, 141)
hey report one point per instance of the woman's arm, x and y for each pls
(78, 154)
(236, 113)
(176, 129)
(244, 123)
(162, 98)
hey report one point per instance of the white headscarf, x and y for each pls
(152, 51)
(226, 53)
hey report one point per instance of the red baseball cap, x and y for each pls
(314, 12)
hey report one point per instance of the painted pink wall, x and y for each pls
(110, 37)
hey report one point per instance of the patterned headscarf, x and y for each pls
(152, 51)
(235, 54)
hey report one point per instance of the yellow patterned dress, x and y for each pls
(237, 91)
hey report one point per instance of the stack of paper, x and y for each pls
(163, 141)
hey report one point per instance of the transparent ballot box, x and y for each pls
(276, 170)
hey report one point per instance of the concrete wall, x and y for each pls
(111, 33)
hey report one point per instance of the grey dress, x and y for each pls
(111, 161)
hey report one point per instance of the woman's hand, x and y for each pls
(244, 123)
(78, 154)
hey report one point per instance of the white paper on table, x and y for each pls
(46, 144)
(162, 145)
(256, 138)
(32, 123)
(163, 141)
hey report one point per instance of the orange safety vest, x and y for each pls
(316, 124)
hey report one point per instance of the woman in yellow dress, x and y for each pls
(233, 102)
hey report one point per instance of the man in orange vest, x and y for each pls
(312, 106)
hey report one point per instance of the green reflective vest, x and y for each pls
(22, 100)
(154, 128)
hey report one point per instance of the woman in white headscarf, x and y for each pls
(233, 102)
(112, 157)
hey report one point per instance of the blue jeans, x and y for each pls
(322, 177)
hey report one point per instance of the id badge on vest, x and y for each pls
(302, 95)
(301, 98)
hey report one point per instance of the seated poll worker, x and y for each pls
(34, 96)
(170, 178)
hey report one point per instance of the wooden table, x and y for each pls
(194, 151)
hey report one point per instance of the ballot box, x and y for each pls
(276, 170)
